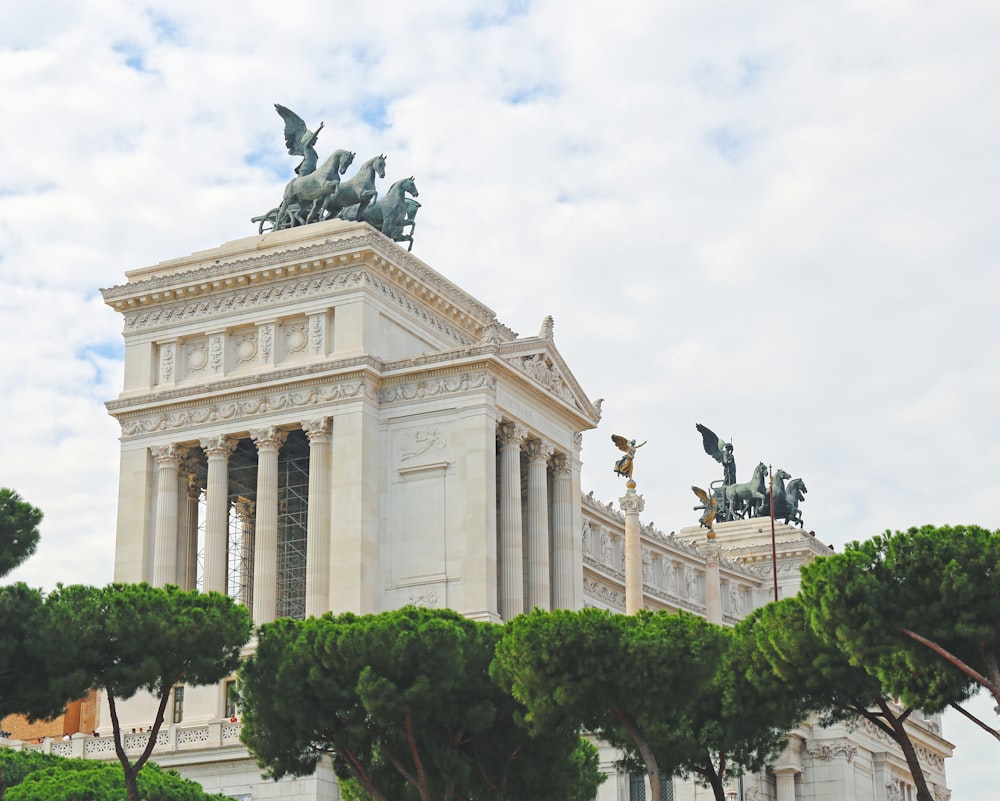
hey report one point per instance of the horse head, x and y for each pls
(346, 159)
(379, 165)
(409, 186)
(797, 488)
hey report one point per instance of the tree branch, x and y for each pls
(975, 720)
(978, 677)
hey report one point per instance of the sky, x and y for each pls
(776, 219)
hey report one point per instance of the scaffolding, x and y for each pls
(293, 514)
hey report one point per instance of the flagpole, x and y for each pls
(774, 548)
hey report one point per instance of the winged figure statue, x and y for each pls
(710, 505)
(720, 450)
(299, 140)
(623, 467)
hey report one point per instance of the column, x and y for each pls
(713, 585)
(632, 504)
(318, 522)
(168, 458)
(217, 511)
(265, 554)
(189, 489)
(511, 548)
(538, 525)
(788, 766)
(563, 539)
(785, 780)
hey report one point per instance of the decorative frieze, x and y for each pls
(436, 386)
(247, 408)
(241, 300)
(827, 750)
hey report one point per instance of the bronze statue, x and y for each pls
(623, 467)
(389, 214)
(710, 505)
(299, 140)
(719, 450)
(318, 193)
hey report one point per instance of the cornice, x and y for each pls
(242, 296)
(257, 381)
(249, 406)
(170, 279)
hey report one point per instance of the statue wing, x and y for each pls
(703, 496)
(295, 130)
(713, 445)
(620, 441)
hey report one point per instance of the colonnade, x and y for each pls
(535, 537)
(178, 489)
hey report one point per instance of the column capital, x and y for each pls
(169, 454)
(195, 485)
(218, 446)
(270, 437)
(318, 430)
(631, 502)
(560, 464)
(510, 433)
(538, 450)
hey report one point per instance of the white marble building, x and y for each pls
(314, 419)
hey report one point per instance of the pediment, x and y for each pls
(539, 361)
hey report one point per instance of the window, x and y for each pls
(230, 699)
(666, 787)
(178, 704)
(637, 787)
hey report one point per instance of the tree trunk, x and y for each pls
(648, 757)
(902, 738)
(715, 781)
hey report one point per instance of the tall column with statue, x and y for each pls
(632, 505)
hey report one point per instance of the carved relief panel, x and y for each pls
(244, 349)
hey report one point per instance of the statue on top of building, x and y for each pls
(721, 451)
(317, 192)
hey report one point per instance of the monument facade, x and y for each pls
(313, 419)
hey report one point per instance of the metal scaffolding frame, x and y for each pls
(293, 514)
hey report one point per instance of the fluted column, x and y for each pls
(632, 504)
(563, 542)
(318, 522)
(511, 548)
(713, 584)
(217, 511)
(168, 458)
(265, 555)
(189, 489)
(785, 780)
(538, 525)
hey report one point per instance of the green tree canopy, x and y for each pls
(18, 530)
(920, 608)
(83, 780)
(15, 765)
(404, 705)
(124, 638)
(23, 678)
(659, 686)
(822, 677)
